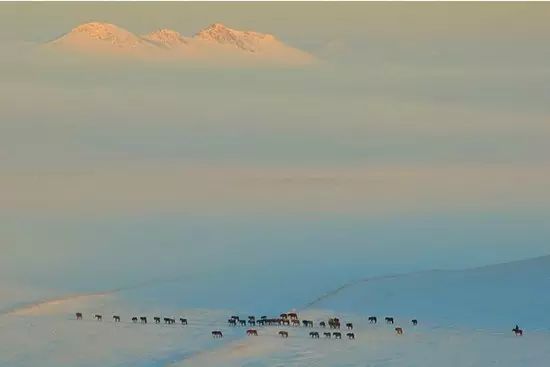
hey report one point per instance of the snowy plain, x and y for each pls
(465, 319)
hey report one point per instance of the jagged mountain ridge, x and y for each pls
(244, 40)
(213, 42)
(167, 37)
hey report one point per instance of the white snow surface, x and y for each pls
(465, 319)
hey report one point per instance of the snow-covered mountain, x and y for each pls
(167, 37)
(214, 43)
(247, 41)
(98, 37)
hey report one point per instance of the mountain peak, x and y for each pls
(218, 26)
(99, 30)
(214, 29)
(92, 27)
(244, 40)
(166, 37)
(106, 33)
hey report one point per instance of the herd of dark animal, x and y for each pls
(135, 320)
(291, 319)
(284, 319)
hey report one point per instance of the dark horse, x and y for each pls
(372, 319)
(414, 322)
(98, 317)
(337, 335)
(143, 319)
(389, 320)
(232, 322)
(283, 334)
(334, 323)
(314, 334)
(517, 331)
(157, 320)
(183, 321)
(217, 334)
(134, 319)
(327, 335)
(116, 318)
(79, 315)
(399, 331)
(322, 324)
(349, 325)
(350, 335)
(307, 323)
(252, 332)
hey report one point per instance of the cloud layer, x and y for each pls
(229, 188)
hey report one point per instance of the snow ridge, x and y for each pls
(216, 42)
